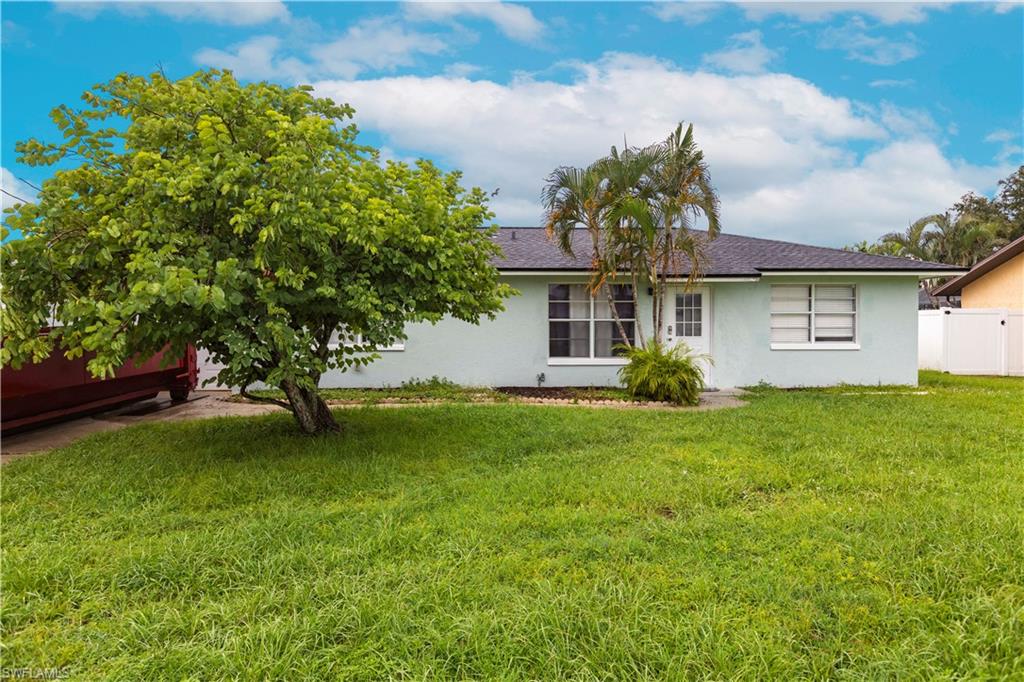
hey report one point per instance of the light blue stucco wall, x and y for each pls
(887, 336)
(512, 349)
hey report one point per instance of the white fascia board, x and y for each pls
(920, 274)
(545, 273)
(622, 278)
(712, 279)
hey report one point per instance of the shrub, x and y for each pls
(666, 373)
(434, 383)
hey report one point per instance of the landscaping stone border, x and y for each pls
(708, 401)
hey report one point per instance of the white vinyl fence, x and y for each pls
(971, 341)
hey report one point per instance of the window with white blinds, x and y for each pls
(583, 326)
(813, 313)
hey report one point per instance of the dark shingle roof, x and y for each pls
(528, 248)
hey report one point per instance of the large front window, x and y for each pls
(582, 326)
(813, 314)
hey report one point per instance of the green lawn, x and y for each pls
(812, 534)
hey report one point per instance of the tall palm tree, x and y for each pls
(630, 220)
(913, 243)
(660, 192)
(639, 206)
(575, 198)
(685, 194)
(947, 238)
(958, 240)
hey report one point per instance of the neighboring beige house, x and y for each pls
(986, 334)
(996, 282)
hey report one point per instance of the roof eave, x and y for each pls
(982, 268)
(921, 273)
(753, 277)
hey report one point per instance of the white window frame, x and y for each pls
(592, 360)
(819, 345)
(677, 325)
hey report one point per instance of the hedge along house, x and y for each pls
(783, 313)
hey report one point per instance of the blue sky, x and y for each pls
(823, 122)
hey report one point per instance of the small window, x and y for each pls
(835, 312)
(689, 308)
(813, 313)
(583, 326)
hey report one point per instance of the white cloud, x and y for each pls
(379, 43)
(779, 147)
(515, 21)
(461, 70)
(906, 122)
(843, 204)
(1002, 135)
(885, 12)
(230, 12)
(892, 83)
(1009, 144)
(14, 34)
(15, 191)
(1004, 7)
(255, 59)
(854, 39)
(745, 54)
(690, 13)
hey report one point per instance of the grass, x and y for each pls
(810, 535)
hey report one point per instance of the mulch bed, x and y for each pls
(550, 392)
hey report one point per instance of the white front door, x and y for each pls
(688, 320)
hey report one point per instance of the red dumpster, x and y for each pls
(58, 388)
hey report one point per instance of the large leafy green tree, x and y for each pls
(243, 219)
(1010, 200)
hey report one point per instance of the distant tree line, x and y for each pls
(967, 232)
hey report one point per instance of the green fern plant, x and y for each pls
(665, 373)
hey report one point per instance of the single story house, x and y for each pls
(783, 313)
(995, 282)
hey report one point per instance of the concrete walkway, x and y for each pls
(207, 404)
(200, 405)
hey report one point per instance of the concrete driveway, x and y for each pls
(200, 405)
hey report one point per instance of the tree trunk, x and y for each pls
(309, 409)
(641, 341)
(615, 314)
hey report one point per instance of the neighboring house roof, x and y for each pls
(981, 268)
(926, 301)
(528, 248)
